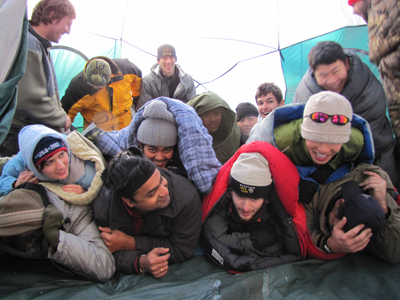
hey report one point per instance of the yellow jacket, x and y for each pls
(110, 107)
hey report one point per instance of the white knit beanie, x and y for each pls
(250, 176)
(329, 103)
(158, 127)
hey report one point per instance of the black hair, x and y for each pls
(125, 170)
(325, 53)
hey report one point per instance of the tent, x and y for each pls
(13, 45)
(229, 47)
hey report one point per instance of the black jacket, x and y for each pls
(176, 227)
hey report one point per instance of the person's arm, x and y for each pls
(183, 235)
(191, 92)
(146, 92)
(386, 244)
(10, 174)
(82, 249)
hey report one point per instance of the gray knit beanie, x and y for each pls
(250, 176)
(329, 103)
(158, 127)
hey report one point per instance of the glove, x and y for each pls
(263, 237)
(92, 132)
(52, 223)
(307, 190)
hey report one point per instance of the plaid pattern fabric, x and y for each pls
(194, 142)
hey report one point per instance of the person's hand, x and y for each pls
(263, 237)
(307, 190)
(67, 123)
(116, 240)
(52, 223)
(350, 242)
(377, 188)
(155, 262)
(26, 176)
(73, 188)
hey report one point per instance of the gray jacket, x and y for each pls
(154, 86)
(80, 250)
(38, 97)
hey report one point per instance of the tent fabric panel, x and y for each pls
(355, 276)
(8, 88)
(295, 58)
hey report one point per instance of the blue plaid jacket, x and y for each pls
(194, 142)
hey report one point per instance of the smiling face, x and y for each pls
(322, 153)
(57, 28)
(212, 119)
(152, 195)
(167, 65)
(332, 77)
(56, 166)
(246, 207)
(159, 155)
(267, 103)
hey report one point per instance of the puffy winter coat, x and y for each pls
(110, 107)
(284, 204)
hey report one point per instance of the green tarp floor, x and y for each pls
(355, 276)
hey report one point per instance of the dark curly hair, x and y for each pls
(126, 171)
(47, 11)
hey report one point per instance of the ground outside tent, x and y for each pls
(356, 276)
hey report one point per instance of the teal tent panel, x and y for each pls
(294, 58)
(8, 88)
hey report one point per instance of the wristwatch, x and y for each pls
(327, 249)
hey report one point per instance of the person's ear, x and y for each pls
(229, 194)
(282, 103)
(266, 201)
(128, 202)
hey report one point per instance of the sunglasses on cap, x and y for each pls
(319, 117)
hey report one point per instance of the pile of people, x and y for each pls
(160, 171)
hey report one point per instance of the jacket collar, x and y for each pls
(45, 42)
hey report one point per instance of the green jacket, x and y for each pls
(385, 245)
(288, 136)
(227, 138)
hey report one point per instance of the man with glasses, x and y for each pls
(334, 69)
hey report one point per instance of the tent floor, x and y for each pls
(356, 276)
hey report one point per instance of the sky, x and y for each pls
(228, 46)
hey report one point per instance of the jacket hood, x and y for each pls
(29, 137)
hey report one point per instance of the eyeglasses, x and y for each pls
(319, 117)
